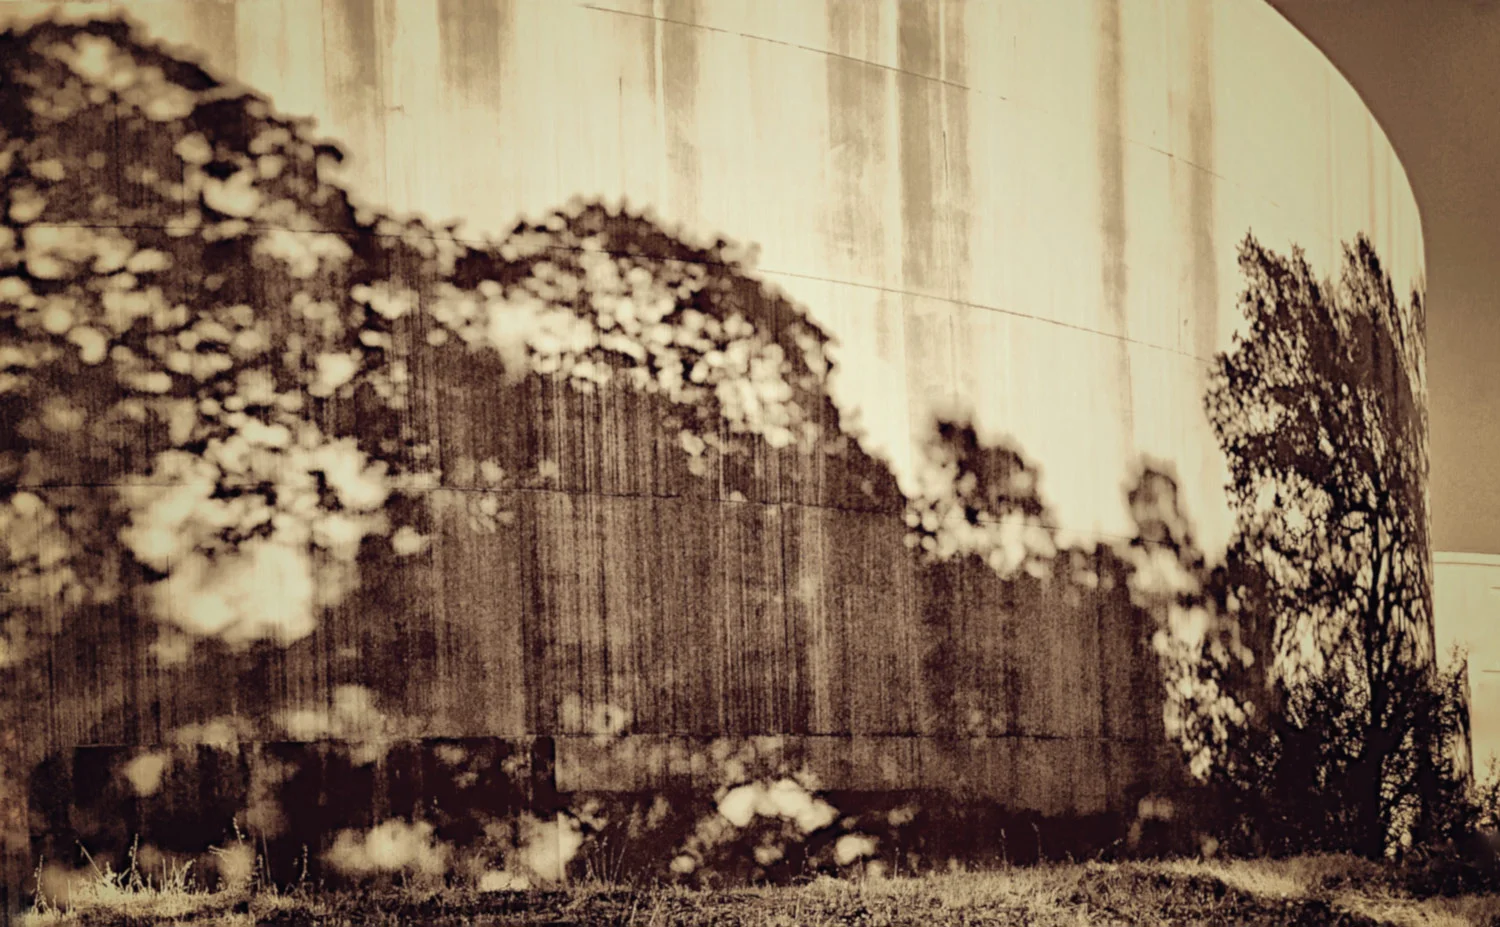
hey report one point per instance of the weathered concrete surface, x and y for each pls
(1002, 204)
(1019, 215)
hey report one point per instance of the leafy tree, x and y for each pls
(1320, 409)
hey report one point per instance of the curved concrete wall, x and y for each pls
(1028, 211)
(1022, 215)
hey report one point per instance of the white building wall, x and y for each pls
(1466, 604)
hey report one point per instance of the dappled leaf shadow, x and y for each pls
(284, 470)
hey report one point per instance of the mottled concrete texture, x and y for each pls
(576, 517)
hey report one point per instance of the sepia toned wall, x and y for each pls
(1466, 606)
(1017, 214)
(1028, 211)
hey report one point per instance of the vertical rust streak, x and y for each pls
(380, 59)
(1201, 191)
(957, 172)
(929, 242)
(922, 262)
(679, 78)
(856, 126)
(354, 75)
(473, 36)
(1110, 128)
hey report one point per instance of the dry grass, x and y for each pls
(1306, 890)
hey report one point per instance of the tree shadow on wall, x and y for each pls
(1320, 408)
(282, 465)
(1122, 629)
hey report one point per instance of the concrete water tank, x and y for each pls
(768, 423)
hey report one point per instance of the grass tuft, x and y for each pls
(1313, 889)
